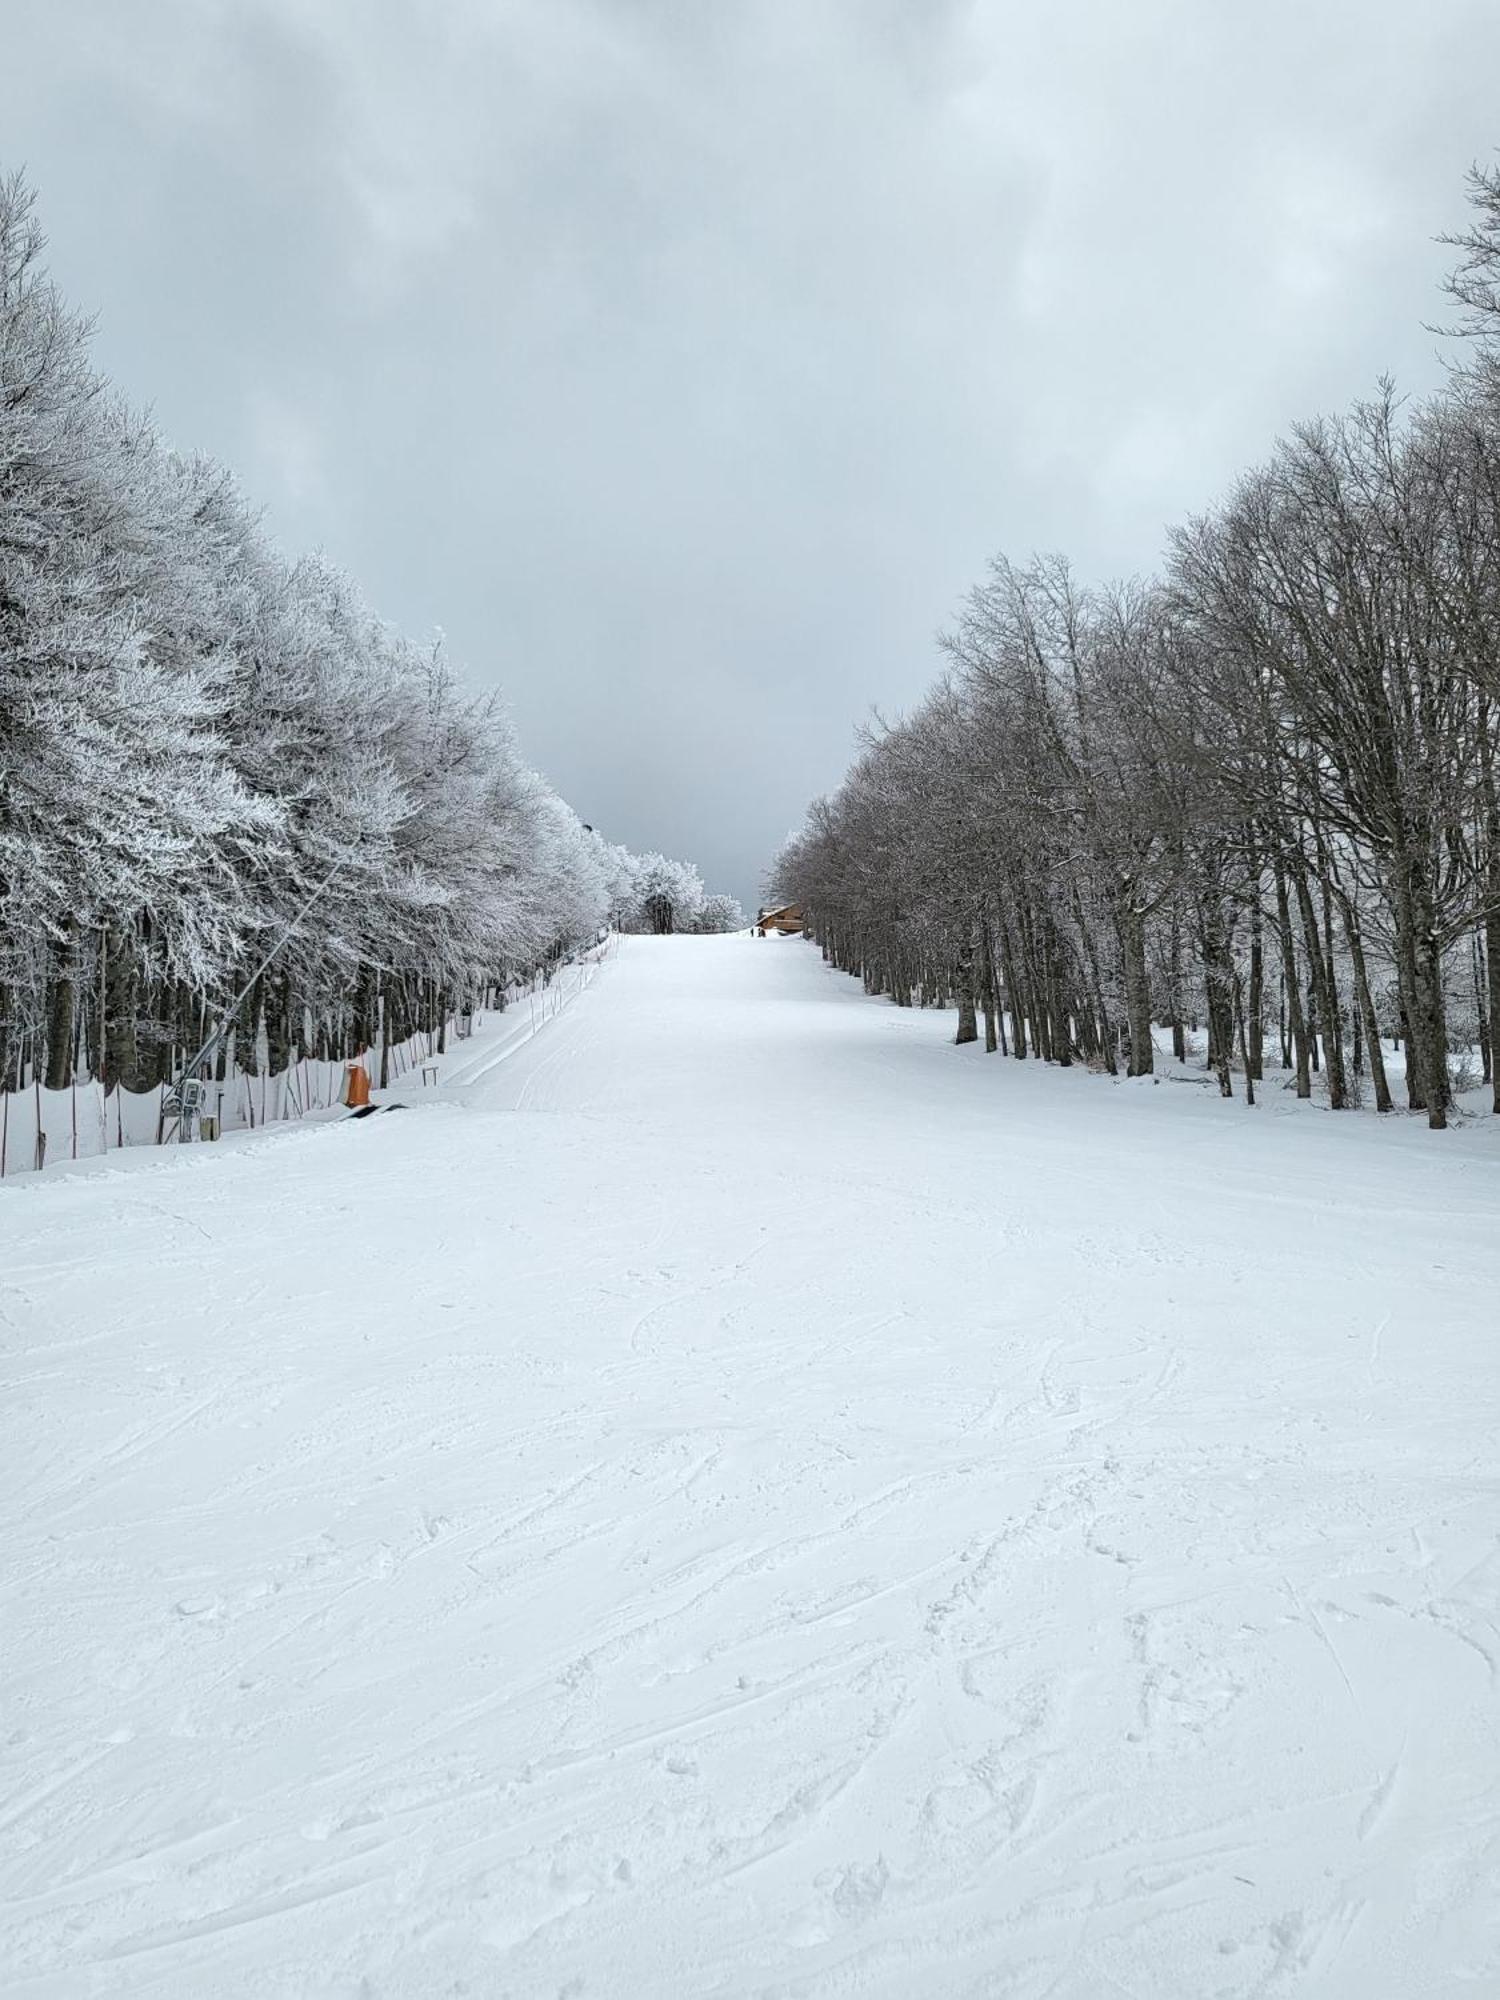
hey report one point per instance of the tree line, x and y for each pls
(1258, 791)
(201, 739)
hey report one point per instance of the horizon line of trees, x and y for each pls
(1258, 791)
(199, 738)
(661, 896)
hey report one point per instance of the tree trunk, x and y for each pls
(121, 1056)
(1218, 969)
(1492, 890)
(1336, 1012)
(1429, 990)
(1239, 1015)
(1137, 988)
(278, 1024)
(1059, 1027)
(1481, 1008)
(1419, 969)
(1326, 998)
(1014, 994)
(60, 1016)
(1255, 1045)
(1099, 1043)
(968, 1019)
(1295, 1017)
(991, 998)
(1281, 1023)
(362, 1025)
(9, 1079)
(1406, 984)
(247, 1032)
(1366, 1004)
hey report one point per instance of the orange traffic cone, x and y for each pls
(356, 1084)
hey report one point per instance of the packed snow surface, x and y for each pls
(744, 1498)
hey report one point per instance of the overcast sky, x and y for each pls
(685, 360)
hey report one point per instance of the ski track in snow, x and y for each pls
(747, 1500)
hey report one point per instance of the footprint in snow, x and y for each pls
(858, 1891)
(203, 1609)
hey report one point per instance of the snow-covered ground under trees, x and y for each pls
(745, 1498)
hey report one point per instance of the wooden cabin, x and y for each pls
(787, 920)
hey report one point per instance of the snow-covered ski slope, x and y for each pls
(752, 1500)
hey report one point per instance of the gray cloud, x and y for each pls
(685, 359)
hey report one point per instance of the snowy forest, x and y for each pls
(1258, 790)
(202, 742)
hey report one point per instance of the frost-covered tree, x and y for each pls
(1259, 796)
(668, 895)
(207, 750)
(719, 915)
(116, 793)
